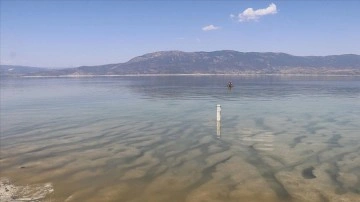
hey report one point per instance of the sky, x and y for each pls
(71, 33)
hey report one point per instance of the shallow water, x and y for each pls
(281, 138)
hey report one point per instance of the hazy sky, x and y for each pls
(74, 32)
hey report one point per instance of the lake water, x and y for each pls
(156, 139)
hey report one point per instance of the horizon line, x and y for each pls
(76, 66)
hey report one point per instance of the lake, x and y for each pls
(156, 138)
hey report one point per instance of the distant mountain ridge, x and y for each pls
(219, 62)
(11, 70)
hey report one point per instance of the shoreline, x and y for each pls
(10, 192)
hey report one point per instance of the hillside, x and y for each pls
(16, 70)
(221, 62)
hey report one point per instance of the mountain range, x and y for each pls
(216, 62)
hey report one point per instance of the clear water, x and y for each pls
(281, 138)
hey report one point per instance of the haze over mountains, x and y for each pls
(216, 62)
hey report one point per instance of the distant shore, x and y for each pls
(145, 75)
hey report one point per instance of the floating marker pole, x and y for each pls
(218, 129)
(218, 121)
(218, 112)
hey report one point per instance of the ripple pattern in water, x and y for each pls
(135, 139)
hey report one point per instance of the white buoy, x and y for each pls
(218, 112)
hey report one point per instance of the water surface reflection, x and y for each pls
(152, 138)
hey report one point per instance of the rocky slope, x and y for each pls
(220, 62)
